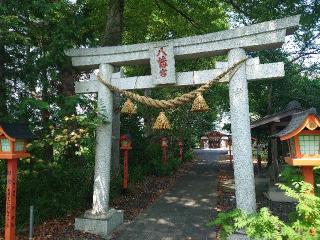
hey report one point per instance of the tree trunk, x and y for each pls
(274, 141)
(45, 115)
(67, 77)
(113, 37)
(66, 88)
(114, 27)
(274, 153)
(259, 153)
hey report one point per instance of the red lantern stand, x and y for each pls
(180, 144)
(164, 146)
(125, 146)
(11, 149)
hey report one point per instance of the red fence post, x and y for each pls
(164, 145)
(180, 143)
(125, 146)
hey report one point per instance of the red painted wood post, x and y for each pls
(307, 172)
(164, 145)
(125, 169)
(10, 224)
(125, 146)
(180, 143)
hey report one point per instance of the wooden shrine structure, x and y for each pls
(270, 125)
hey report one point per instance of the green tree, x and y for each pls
(37, 85)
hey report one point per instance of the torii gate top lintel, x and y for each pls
(265, 35)
(162, 56)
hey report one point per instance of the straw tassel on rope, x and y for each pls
(162, 122)
(199, 104)
(128, 107)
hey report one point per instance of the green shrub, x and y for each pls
(188, 155)
(263, 225)
(137, 173)
(157, 167)
(116, 185)
(53, 192)
(290, 175)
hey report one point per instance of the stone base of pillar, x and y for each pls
(239, 236)
(102, 227)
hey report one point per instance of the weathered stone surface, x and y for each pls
(101, 227)
(162, 65)
(265, 71)
(103, 146)
(253, 73)
(277, 195)
(249, 62)
(259, 36)
(238, 236)
(100, 220)
(241, 135)
(262, 184)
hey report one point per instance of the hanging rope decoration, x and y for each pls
(128, 107)
(199, 104)
(161, 122)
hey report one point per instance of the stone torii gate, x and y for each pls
(233, 43)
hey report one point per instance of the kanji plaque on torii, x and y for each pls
(161, 56)
(162, 65)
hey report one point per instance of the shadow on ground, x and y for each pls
(183, 211)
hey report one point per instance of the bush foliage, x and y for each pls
(304, 221)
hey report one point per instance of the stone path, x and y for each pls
(182, 212)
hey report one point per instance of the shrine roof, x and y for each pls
(297, 120)
(217, 134)
(17, 130)
(291, 108)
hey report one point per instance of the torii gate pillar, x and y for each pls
(101, 219)
(241, 135)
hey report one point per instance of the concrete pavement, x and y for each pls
(184, 210)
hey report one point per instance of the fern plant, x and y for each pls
(263, 225)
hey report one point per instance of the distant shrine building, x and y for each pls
(215, 139)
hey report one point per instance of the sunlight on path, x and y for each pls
(182, 212)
